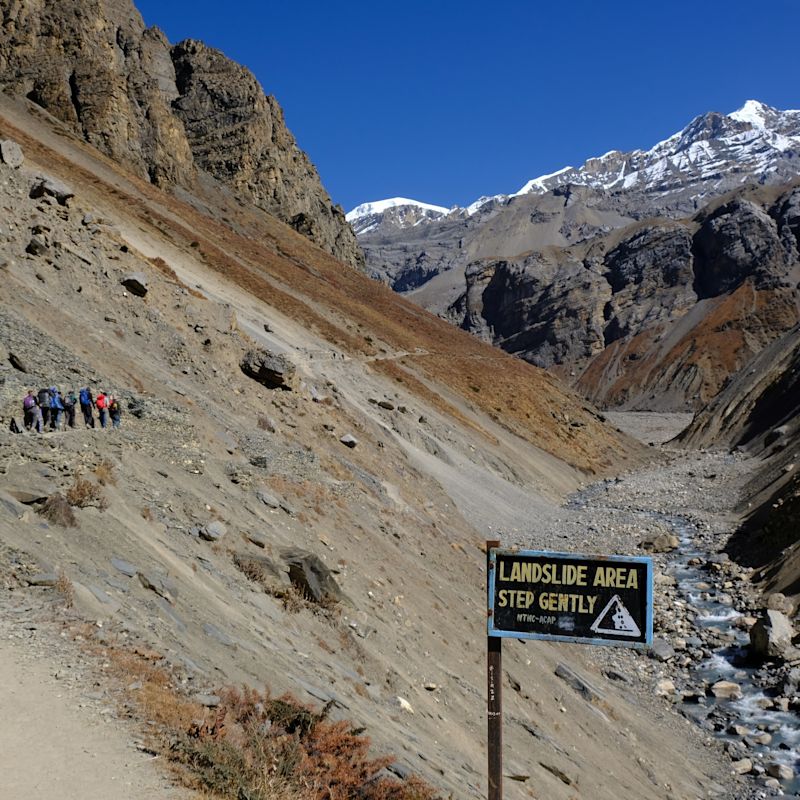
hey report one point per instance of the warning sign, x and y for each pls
(568, 597)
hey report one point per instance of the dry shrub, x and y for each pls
(156, 698)
(147, 513)
(56, 509)
(83, 494)
(254, 570)
(65, 588)
(262, 748)
(104, 472)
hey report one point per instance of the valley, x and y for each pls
(278, 548)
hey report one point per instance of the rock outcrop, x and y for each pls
(657, 315)
(238, 135)
(95, 67)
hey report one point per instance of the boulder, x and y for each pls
(37, 246)
(11, 153)
(29, 483)
(663, 543)
(726, 690)
(273, 370)
(665, 688)
(213, 532)
(782, 772)
(778, 601)
(162, 586)
(50, 187)
(135, 283)
(771, 636)
(662, 649)
(349, 440)
(308, 573)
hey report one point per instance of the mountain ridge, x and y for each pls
(747, 131)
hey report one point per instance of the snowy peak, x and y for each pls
(395, 212)
(713, 154)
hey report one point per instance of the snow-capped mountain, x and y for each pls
(713, 154)
(397, 212)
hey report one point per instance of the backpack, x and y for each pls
(55, 400)
(114, 407)
(44, 398)
(85, 398)
(101, 401)
(29, 402)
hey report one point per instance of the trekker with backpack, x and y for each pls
(86, 401)
(70, 401)
(101, 403)
(114, 411)
(44, 406)
(56, 408)
(29, 410)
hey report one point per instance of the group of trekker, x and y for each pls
(50, 410)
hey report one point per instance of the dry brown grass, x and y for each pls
(65, 588)
(104, 472)
(56, 509)
(253, 745)
(84, 493)
(263, 748)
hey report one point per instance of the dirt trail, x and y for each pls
(54, 743)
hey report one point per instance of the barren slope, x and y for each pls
(456, 441)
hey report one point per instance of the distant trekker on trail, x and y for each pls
(101, 403)
(29, 410)
(70, 401)
(114, 411)
(44, 406)
(56, 408)
(87, 401)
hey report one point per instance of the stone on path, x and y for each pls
(579, 684)
(124, 567)
(163, 587)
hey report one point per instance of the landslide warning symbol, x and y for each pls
(615, 620)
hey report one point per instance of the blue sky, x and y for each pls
(446, 100)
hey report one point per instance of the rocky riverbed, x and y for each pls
(743, 695)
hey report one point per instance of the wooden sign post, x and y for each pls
(494, 709)
(562, 597)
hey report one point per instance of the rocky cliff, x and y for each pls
(165, 112)
(758, 411)
(659, 314)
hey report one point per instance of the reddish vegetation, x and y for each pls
(733, 328)
(256, 746)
